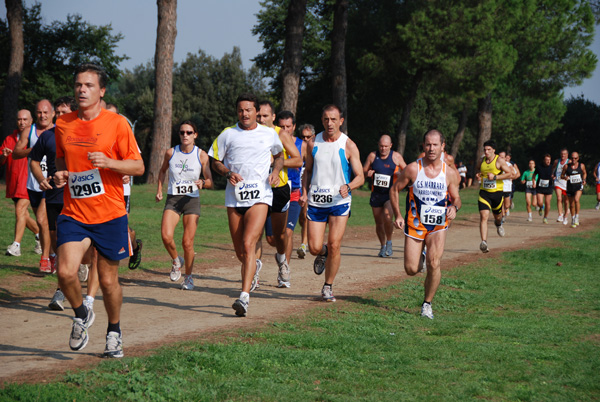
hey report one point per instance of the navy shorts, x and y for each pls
(317, 214)
(36, 197)
(111, 238)
(378, 200)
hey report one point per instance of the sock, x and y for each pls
(426, 302)
(52, 255)
(329, 284)
(17, 243)
(280, 258)
(89, 299)
(245, 296)
(80, 312)
(37, 236)
(114, 327)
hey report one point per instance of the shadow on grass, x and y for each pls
(374, 303)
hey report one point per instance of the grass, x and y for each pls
(515, 328)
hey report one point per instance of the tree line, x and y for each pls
(472, 69)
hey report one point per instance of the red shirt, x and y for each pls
(16, 170)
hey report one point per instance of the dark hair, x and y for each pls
(490, 143)
(249, 97)
(434, 131)
(94, 68)
(267, 102)
(286, 114)
(108, 105)
(189, 123)
(548, 155)
(66, 100)
(331, 106)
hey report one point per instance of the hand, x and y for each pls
(399, 222)
(61, 177)
(451, 212)
(159, 197)
(126, 179)
(235, 178)
(274, 179)
(6, 151)
(370, 173)
(199, 183)
(99, 160)
(345, 190)
(45, 184)
(490, 176)
(303, 200)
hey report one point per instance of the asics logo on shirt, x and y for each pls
(248, 186)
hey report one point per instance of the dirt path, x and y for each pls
(34, 340)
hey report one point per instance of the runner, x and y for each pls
(560, 185)
(493, 171)
(597, 179)
(185, 163)
(529, 178)
(307, 132)
(575, 175)
(544, 186)
(242, 153)
(508, 186)
(381, 166)
(430, 181)
(462, 171)
(331, 157)
(94, 150)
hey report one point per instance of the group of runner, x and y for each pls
(271, 176)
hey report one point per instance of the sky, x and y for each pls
(215, 26)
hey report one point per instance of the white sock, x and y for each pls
(17, 243)
(245, 296)
(37, 236)
(280, 257)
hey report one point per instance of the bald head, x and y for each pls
(44, 114)
(24, 119)
(385, 145)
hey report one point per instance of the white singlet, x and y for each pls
(247, 153)
(184, 171)
(558, 182)
(508, 182)
(330, 171)
(32, 183)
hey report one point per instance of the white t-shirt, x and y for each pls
(247, 153)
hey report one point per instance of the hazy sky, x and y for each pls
(215, 26)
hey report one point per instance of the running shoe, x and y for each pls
(136, 257)
(426, 311)
(559, 219)
(38, 247)
(301, 251)
(508, 212)
(256, 280)
(484, 247)
(319, 264)
(541, 211)
(573, 224)
(88, 302)
(381, 252)
(188, 283)
(423, 261)
(53, 263)
(14, 250)
(529, 218)
(597, 206)
(240, 307)
(388, 249)
(114, 345)
(502, 220)
(56, 303)
(545, 221)
(500, 231)
(79, 334)
(176, 269)
(576, 220)
(45, 266)
(283, 276)
(84, 271)
(327, 294)
(565, 221)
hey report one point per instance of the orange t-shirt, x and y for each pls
(93, 195)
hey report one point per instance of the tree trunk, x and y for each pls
(484, 113)
(10, 98)
(460, 132)
(292, 56)
(163, 95)
(338, 58)
(410, 102)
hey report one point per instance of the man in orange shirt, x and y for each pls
(94, 150)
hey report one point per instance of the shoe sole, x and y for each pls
(240, 311)
(11, 254)
(56, 306)
(319, 270)
(113, 355)
(283, 284)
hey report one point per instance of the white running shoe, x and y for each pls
(188, 283)
(284, 270)
(114, 345)
(83, 272)
(301, 251)
(176, 269)
(88, 302)
(388, 249)
(426, 311)
(565, 221)
(14, 250)
(327, 294)
(577, 220)
(597, 206)
(484, 247)
(256, 280)
(79, 334)
(559, 219)
(529, 218)
(38, 247)
(56, 303)
(240, 307)
(508, 212)
(500, 230)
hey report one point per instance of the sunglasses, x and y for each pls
(186, 132)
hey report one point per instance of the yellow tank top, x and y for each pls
(490, 185)
(283, 173)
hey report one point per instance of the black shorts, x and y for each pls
(530, 191)
(183, 204)
(126, 199)
(36, 197)
(379, 199)
(243, 210)
(281, 199)
(544, 190)
(52, 212)
(572, 189)
(491, 201)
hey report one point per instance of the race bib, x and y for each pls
(489, 184)
(529, 183)
(432, 215)
(544, 183)
(248, 191)
(322, 195)
(575, 179)
(184, 187)
(85, 184)
(381, 180)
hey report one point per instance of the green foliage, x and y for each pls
(53, 50)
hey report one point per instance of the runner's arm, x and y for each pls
(161, 174)
(208, 182)
(295, 159)
(584, 173)
(277, 166)
(359, 177)
(453, 183)
(21, 150)
(36, 170)
(367, 171)
(404, 178)
(221, 169)
(129, 167)
(308, 167)
(399, 160)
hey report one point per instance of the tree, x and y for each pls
(14, 15)
(338, 58)
(292, 55)
(163, 96)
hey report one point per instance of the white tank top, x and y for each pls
(508, 182)
(430, 191)
(558, 181)
(32, 183)
(330, 172)
(184, 170)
